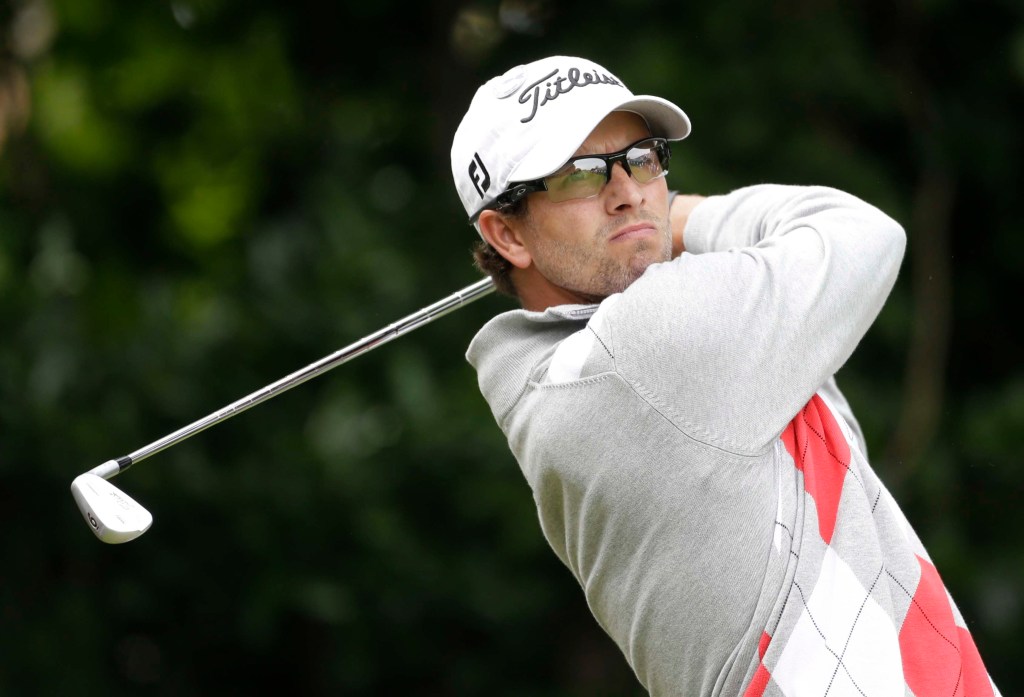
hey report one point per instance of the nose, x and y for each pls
(622, 190)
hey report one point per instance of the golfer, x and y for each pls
(668, 392)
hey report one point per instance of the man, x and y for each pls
(667, 391)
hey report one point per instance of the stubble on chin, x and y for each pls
(593, 276)
(618, 275)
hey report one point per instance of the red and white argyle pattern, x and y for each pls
(877, 624)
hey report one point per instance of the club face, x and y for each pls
(112, 515)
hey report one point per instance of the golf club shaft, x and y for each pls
(372, 341)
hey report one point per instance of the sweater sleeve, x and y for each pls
(776, 288)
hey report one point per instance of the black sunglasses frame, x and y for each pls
(518, 190)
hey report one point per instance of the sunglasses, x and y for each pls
(585, 176)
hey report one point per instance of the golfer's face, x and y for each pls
(598, 246)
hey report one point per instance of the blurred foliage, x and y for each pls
(198, 197)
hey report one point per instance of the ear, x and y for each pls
(505, 235)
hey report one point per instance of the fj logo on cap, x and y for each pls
(479, 175)
(559, 86)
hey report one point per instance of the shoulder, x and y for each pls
(509, 348)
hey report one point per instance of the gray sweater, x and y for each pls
(697, 470)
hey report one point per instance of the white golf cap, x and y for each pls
(527, 123)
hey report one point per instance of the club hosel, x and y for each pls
(107, 470)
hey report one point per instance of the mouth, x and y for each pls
(631, 232)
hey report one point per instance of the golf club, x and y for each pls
(115, 517)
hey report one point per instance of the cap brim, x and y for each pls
(664, 118)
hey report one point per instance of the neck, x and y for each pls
(536, 293)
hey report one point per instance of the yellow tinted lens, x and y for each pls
(580, 178)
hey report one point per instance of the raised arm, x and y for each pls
(776, 288)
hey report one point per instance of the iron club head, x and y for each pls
(112, 515)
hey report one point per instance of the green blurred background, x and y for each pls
(198, 197)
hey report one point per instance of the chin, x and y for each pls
(643, 262)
